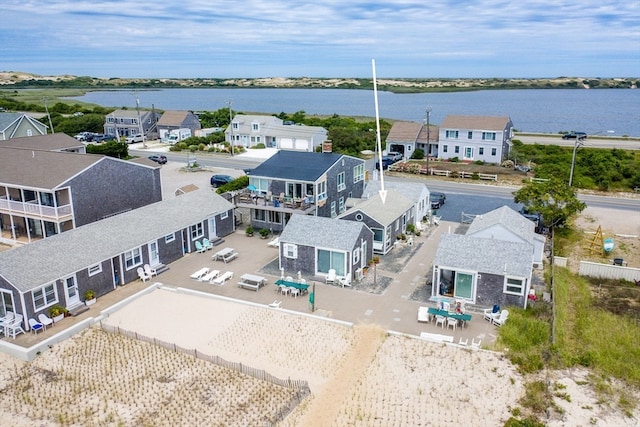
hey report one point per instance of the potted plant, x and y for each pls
(249, 231)
(264, 233)
(57, 312)
(89, 297)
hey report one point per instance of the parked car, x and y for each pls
(85, 136)
(103, 138)
(395, 156)
(134, 138)
(437, 199)
(158, 158)
(386, 161)
(219, 180)
(573, 135)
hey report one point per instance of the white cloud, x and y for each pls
(335, 38)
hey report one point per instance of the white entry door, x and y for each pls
(71, 289)
(212, 229)
(154, 256)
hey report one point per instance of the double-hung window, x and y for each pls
(133, 258)
(44, 296)
(358, 173)
(488, 136)
(197, 231)
(290, 250)
(451, 134)
(322, 190)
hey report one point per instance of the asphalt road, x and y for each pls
(462, 198)
(591, 141)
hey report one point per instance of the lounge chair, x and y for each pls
(198, 274)
(35, 326)
(222, 278)
(275, 243)
(275, 304)
(490, 313)
(150, 271)
(45, 320)
(423, 314)
(210, 276)
(199, 248)
(206, 244)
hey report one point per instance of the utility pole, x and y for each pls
(48, 115)
(135, 95)
(428, 111)
(231, 126)
(573, 159)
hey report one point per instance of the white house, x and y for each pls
(473, 138)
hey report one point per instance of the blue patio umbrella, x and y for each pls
(251, 188)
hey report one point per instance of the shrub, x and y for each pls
(264, 232)
(260, 145)
(418, 154)
(249, 231)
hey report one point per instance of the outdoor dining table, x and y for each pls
(226, 254)
(463, 317)
(302, 286)
(252, 278)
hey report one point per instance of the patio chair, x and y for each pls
(331, 277)
(210, 276)
(199, 248)
(35, 326)
(14, 327)
(275, 304)
(206, 244)
(452, 322)
(440, 320)
(45, 320)
(275, 243)
(464, 342)
(142, 275)
(490, 313)
(150, 271)
(502, 319)
(475, 344)
(294, 292)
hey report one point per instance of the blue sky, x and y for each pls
(331, 38)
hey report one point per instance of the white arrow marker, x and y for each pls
(383, 192)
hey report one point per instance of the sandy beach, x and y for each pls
(358, 375)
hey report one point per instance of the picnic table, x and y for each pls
(303, 287)
(226, 255)
(251, 281)
(463, 317)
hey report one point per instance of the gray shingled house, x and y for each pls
(314, 245)
(172, 120)
(293, 182)
(406, 137)
(44, 193)
(107, 253)
(417, 192)
(492, 263)
(386, 219)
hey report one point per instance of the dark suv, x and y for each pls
(437, 199)
(573, 135)
(220, 180)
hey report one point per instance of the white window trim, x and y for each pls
(94, 269)
(198, 228)
(169, 238)
(131, 252)
(358, 173)
(44, 296)
(224, 215)
(290, 250)
(507, 285)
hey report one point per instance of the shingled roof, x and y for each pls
(475, 122)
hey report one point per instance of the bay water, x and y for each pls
(612, 112)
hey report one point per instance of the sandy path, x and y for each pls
(326, 403)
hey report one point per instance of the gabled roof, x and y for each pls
(296, 165)
(321, 232)
(49, 142)
(173, 118)
(475, 122)
(490, 256)
(8, 120)
(38, 263)
(39, 169)
(403, 132)
(126, 113)
(414, 191)
(506, 217)
(273, 126)
(394, 207)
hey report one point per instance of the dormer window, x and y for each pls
(255, 126)
(235, 126)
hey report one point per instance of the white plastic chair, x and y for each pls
(440, 320)
(143, 276)
(45, 320)
(14, 327)
(35, 326)
(452, 322)
(150, 271)
(294, 292)
(502, 319)
(331, 277)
